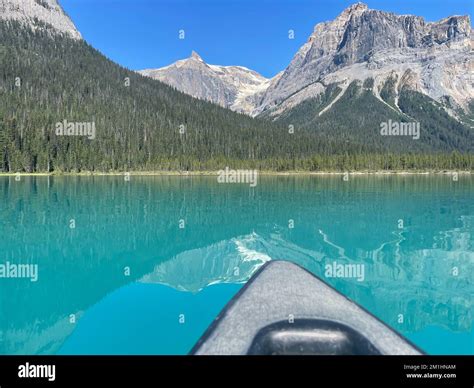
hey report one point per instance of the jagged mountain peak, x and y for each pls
(29, 12)
(196, 56)
(354, 9)
(233, 87)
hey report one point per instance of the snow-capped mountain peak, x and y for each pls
(233, 87)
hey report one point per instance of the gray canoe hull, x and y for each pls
(284, 309)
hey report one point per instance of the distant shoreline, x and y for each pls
(215, 173)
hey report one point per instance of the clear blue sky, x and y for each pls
(142, 34)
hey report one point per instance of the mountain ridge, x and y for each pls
(362, 43)
(232, 87)
(433, 58)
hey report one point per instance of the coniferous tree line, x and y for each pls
(142, 124)
(356, 116)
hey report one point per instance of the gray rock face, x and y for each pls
(46, 11)
(362, 43)
(232, 87)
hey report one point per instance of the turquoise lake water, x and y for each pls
(143, 267)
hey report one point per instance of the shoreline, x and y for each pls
(215, 173)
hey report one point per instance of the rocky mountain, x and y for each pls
(392, 52)
(233, 87)
(45, 14)
(435, 59)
